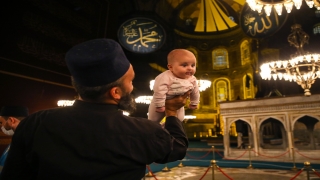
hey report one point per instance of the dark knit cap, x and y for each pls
(97, 62)
(14, 111)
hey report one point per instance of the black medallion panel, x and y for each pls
(141, 35)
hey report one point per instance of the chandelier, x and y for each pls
(202, 83)
(151, 84)
(144, 99)
(258, 5)
(187, 117)
(64, 103)
(303, 67)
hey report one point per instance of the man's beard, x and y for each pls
(127, 103)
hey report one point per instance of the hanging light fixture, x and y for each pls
(303, 67)
(144, 99)
(204, 82)
(151, 84)
(258, 5)
(187, 117)
(62, 103)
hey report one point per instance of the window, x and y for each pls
(220, 59)
(245, 52)
(316, 29)
(248, 88)
(222, 91)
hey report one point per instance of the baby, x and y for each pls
(176, 81)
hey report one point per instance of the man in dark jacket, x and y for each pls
(93, 139)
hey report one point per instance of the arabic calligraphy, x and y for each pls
(142, 35)
(254, 24)
(260, 25)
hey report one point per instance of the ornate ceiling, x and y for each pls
(191, 16)
(207, 16)
(36, 34)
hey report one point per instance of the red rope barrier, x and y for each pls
(205, 173)
(297, 174)
(152, 173)
(231, 158)
(306, 156)
(224, 173)
(271, 156)
(316, 172)
(198, 157)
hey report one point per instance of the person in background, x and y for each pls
(93, 139)
(175, 81)
(10, 117)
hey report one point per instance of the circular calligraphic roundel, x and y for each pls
(141, 35)
(259, 25)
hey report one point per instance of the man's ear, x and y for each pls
(12, 120)
(115, 93)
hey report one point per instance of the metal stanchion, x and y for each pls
(213, 155)
(294, 168)
(149, 174)
(250, 165)
(307, 167)
(180, 164)
(213, 165)
(166, 169)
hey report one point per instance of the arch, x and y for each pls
(301, 116)
(247, 121)
(309, 121)
(240, 133)
(222, 91)
(248, 87)
(245, 52)
(272, 117)
(305, 135)
(272, 134)
(220, 59)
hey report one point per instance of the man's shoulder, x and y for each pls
(144, 123)
(47, 113)
(50, 110)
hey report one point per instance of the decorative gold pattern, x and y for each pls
(212, 18)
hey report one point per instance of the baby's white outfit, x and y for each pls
(167, 86)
